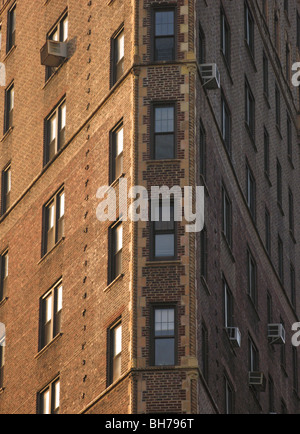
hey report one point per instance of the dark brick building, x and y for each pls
(138, 317)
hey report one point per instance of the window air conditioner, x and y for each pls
(258, 381)
(235, 336)
(276, 334)
(53, 53)
(211, 75)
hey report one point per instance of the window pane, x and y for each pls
(120, 47)
(61, 205)
(164, 119)
(164, 245)
(55, 35)
(53, 128)
(63, 110)
(51, 216)
(117, 340)
(164, 322)
(65, 29)
(56, 395)
(164, 23)
(48, 310)
(118, 238)
(5, 260)
(165, 352)
(119, 142)
(164, 147)
(59, 298)
(46, 402)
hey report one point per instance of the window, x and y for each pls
(164, 336)
(279, 184)
(225, 38)
(251, 192)
(266, 152)
(289, 137)
(50, 312)
(202, 46)
(295, 370)
(271, 395)
(164, 35)
(252, 278)
(118, 51)
(163, 230)
(249, 29)
(249, 109)
(265, 8)
(54, 212)
(226, 123)
(228, 305)
(49, 398)
(164, 132)
(227, 216)
(298, 31)
(277, 107)
(276, 31)
(229, 398)
(280, 259)
(204, 351)
(116, 246)
(267, 231)
(2, 355)
(269, 308)
(291, 212)
(115, 352)
(203, 249)
(293, 284)
(283, 349)
(60, 34)
(117, 141)
(253, 357)
(3, 275)
(6, 189)
(202, 151)
(9, 108)
(11, 28)
(266, 74)
(55, 127)
(288, 67)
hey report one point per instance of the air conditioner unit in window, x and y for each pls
(210, 75)
(276, 334)
(235, 336)
(258, 381)
(53, 53)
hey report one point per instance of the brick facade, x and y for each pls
(78, 356)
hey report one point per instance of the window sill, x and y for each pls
(161, 263)
(8, 54)
(2, 302)
(45, 349)
(50, 251)
(169, 160)
(119, 277)
(6, 134)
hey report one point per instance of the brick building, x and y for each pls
(138, 317)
